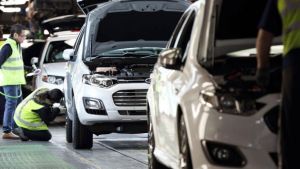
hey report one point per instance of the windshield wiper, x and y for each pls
(125, 55)
(150, 56)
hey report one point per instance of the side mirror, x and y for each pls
(34, 60)
(68, 54)
(170, 58)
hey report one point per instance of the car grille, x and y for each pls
(132, 80)
(132, 112)
(130, 97)
(96, 112)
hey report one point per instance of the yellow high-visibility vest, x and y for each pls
(12, 70)
(290, 14)
(25, 117)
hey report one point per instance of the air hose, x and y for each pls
(13, 97)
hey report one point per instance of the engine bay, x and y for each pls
(237, 88)
(126, 73)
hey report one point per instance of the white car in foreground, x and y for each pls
(205, 109)
(108, 71)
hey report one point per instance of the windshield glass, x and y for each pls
(56, 49)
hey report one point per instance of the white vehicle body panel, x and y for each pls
(171, 90)
(53, 69)
(74, 88)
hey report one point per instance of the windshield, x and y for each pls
(140, 52)
(55, 50)
(133, 26)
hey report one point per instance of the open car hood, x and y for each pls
(63, 23)
(131, 23)
(88, 5)
(236, 25)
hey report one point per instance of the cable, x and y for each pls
(13, 97)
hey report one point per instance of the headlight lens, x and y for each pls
(57, 80)
(99, 80)
(230, 104)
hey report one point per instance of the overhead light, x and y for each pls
(13, 2)
(10, 9)
(5, 36)
(46, 32)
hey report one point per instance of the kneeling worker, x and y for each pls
(35, 112)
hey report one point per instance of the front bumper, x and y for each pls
(113, 113)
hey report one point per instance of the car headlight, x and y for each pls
(57, 80)
(230, 103)
(99, 80)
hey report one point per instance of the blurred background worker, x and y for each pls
(285, 14)
(2, 40)
(35, 112)
(12, 77)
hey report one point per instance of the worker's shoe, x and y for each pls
(10, 135)
(20, 133)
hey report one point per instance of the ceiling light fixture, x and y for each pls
(10, 9)
(12, 2)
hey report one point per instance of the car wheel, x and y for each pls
(153, 163)
(68, 129)
(185, 157)
(82, 136)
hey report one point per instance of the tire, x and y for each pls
(184, 148)
(69, 126)
(153, 163)
(82, 136)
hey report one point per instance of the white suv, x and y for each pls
(63, 33)
(52, 63)
(108, 73)
(203, 97)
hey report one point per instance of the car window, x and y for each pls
(55, 50)
(177, 29)
(79, 40)
(80, 47)
(184, 35)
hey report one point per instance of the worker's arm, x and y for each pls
(269, 27)
(5, 53)
(47, 113)
(263, 45)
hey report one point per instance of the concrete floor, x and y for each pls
(111, 151)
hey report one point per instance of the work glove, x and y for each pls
(263, 77)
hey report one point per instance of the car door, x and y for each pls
(78, 48)
(169, 83)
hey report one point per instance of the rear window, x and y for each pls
(132, 26)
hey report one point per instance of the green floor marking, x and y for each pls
(29, 157)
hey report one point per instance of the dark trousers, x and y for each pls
(289, 116)
(37, 135)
